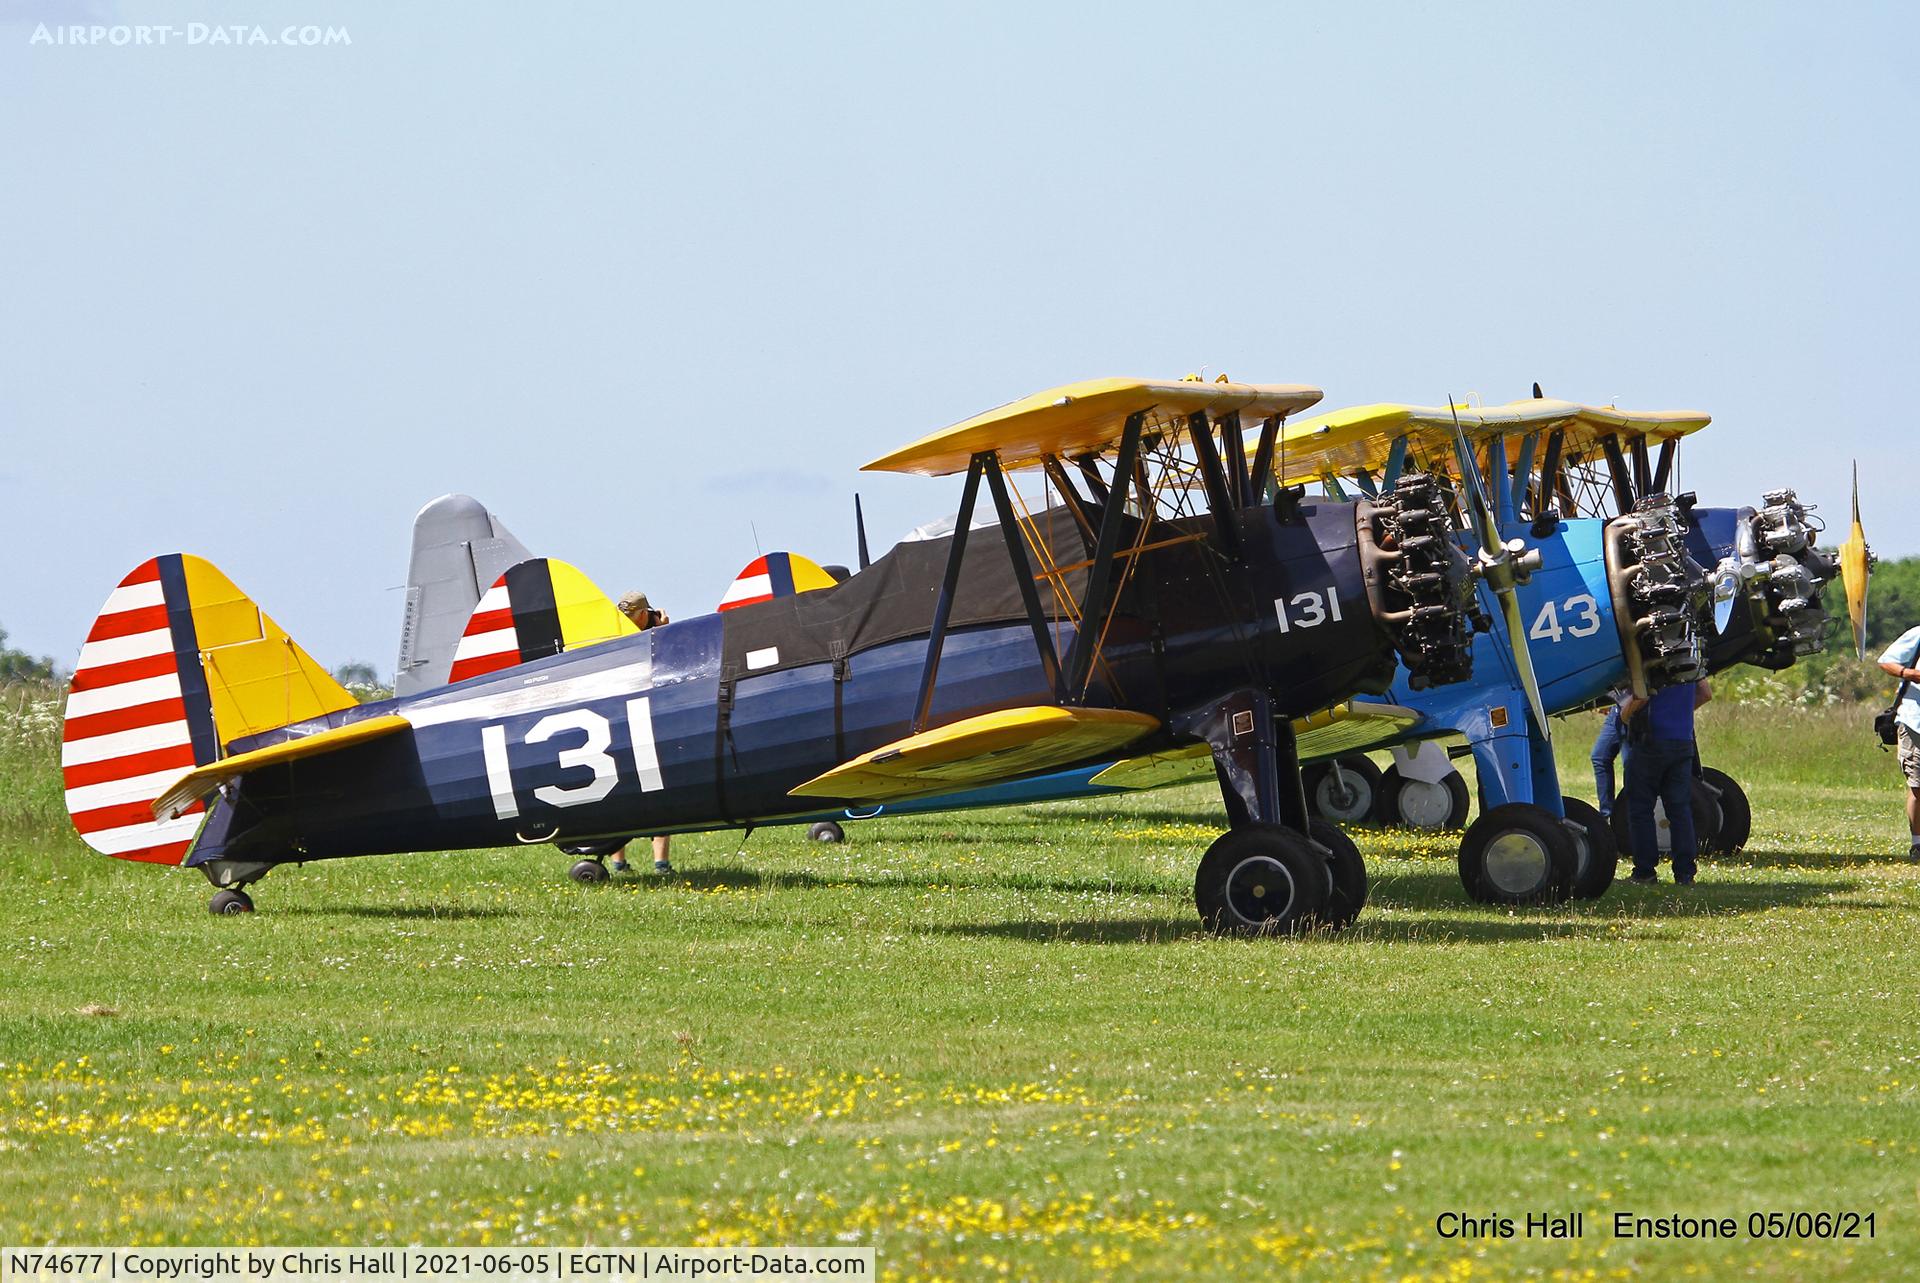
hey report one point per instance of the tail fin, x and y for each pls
(778, 574)
(458, 549)
(538, 608)
(179, 664)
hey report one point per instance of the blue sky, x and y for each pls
(647, 280)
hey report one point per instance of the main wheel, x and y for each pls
(589, 873)
(1346, 875)
(1416, 804)
(1348, 796)
(1736, 814)
(1261, 879)
(227, 902)
(1707, 822)
(1518, 853)
(1594, 860)
(826, 831)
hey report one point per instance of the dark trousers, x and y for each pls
(1606, 747)
(1662, 771)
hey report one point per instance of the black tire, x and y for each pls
(826, 831)
(1361, 799)
(1346, 875)
(230, 902)
(589, 873)
(1261, 879)
(1595, 861)
(1706, 822)
(1413, 804)
(1517, 854)
(1736, 814)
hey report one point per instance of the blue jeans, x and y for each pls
(1661, 770)
(1606, 747)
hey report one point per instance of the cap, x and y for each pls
(634, 603)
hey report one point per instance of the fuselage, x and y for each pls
(710, 722)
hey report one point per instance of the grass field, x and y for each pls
(990, 1043)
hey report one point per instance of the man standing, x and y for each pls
(1660, 758)
(635, 606)
(1898, 660)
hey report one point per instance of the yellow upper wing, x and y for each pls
(1345, 441)
(1080, 418)
(982, 750)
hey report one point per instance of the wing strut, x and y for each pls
(1219, 497)
(1263, 456)
(1521, 483)
(1023, 575)
(943, 608)
(1100, 574)
(1233, 441)
(1642, 469)
(1663, 470)
(1617, 466)
(1547, 490)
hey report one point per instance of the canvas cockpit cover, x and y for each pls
(894, 599)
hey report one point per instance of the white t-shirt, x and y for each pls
(1903, 652)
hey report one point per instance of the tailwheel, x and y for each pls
(1736, 814)
(589, 872)
(1261, 879)
(226, 902)
(826, 831)
(1518, 854)
(1594, 859)
(1346, 875)
(1417, 804)
(1346, 791)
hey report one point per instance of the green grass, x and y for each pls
(983, 1043)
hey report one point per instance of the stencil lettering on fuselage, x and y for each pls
(1309, 609)
(590, 754)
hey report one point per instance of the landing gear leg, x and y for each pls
(1269, 874)
(232, 877)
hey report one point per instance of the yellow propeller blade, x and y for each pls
(1856, 566)
(1488, 525)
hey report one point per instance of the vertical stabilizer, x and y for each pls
(459, 550)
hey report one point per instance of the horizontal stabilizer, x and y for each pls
(200, 782)
(988, 749)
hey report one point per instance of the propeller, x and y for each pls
(1856, 565)
(1503, 566)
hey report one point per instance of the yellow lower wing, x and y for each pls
(1345, 728)
(982, 750)
(203, 780)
